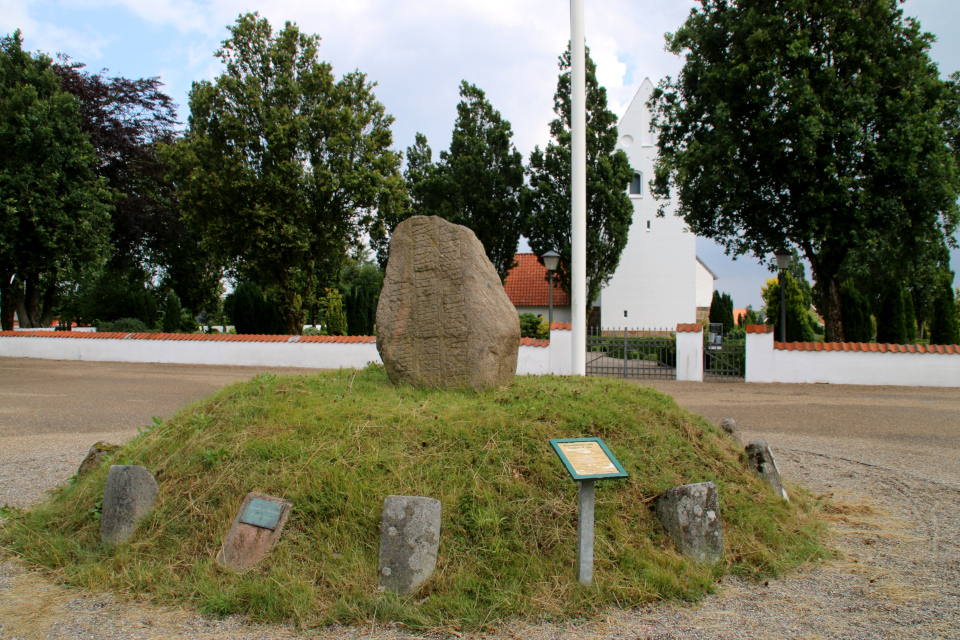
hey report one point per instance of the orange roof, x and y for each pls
(527, 285)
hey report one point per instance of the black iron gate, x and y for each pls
(632, 353)
(725, 360)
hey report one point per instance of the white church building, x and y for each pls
(660, 282)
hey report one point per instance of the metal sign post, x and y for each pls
(587, 460)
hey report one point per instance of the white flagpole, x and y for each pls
(578, 184)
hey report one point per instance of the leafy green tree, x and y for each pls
(816, 124)
(478, 183)
(609, 210)
(282, 167)
(909, 316)
(171, 313)
(944, 323)
(891, 316)
(798, 321)
(54, 210)
(858, 326)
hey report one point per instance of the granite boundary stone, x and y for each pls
(95, 457)
(245, 545)
(128, 497)
(762, 462)
(691, 515)
(409, 542)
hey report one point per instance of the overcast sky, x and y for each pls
(418, 52)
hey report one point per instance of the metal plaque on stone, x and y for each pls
(586, 460)
(255, 530)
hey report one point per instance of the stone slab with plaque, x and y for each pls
(255, 530)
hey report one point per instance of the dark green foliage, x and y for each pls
(283, 167)
(362, 284)
(171, 313)
(188, 321)
(609, 210)
(891, 316)
(478, 183)
(116, 294)
(252, 313)
(54, 210)
(721, 310)
(123, 325)
(909, 316)
(798, 320)
(816, 124)
(944, 323)
(857, 324)
(529, 325)
(335, 317)
(750, 317)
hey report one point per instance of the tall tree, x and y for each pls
(816, 124)
(283, 167)
(609, 210)
(54, 210)
(478, 182)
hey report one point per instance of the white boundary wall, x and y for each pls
(531, 360)
(766, 363)
(690, 352)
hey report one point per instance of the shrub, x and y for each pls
(543, 329)
(855, 314)
(123, 325)
(171, 313)
(252, 312)
(529, 324)
(188, 323)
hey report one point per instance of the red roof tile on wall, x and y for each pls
(689, 328)
(534, 342)
(225, 337)
(759, 328)
(867, 347)
(527, 286)
(561, 326)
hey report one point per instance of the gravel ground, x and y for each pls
(888, 456)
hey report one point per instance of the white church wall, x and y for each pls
(704, 285)
(655, 284)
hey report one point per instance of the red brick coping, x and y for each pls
(218, 337)
(759, 328)
(868, 347)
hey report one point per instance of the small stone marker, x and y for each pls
(409, 541)
(761, 460)
(691, 515)
(586, 460)
(729, 425)
(95, 456)
(255, 530)
(128, 497)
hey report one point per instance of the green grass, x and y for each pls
(337, 443)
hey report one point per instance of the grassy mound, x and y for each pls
(337, 443)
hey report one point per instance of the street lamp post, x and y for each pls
(551, 259)
(784, 260)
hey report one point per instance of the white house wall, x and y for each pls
(655, 284)
(704, 286)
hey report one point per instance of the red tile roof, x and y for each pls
(527, 285)
(865, 346)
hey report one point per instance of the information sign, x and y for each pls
(587, 459)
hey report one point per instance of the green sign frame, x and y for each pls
(620, 472)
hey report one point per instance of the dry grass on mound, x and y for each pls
(336, 443)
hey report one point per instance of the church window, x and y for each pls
(636, 185)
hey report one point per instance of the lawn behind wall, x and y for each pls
(336, 443)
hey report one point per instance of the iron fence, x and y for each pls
(726, 360)
(632, 353)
